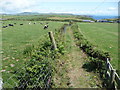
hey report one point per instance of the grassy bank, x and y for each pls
(104, 36)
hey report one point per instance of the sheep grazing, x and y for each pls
(46, 26)
(29, 22)
(21, 24)
(46, 22)
(4, 26)
(35, 23)
(10, 24)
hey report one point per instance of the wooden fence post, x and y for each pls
(107, 67)
(112, 78)
(52, 40)
(106, 73)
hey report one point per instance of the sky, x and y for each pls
(80, 7)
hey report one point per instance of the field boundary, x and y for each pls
(39, 68)
(112, 79)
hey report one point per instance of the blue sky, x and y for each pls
(81, 7)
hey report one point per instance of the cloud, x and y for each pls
(97, 12)
(43, 6)
(112, 8)
(15, 5)
(27, 10)
(80, 0)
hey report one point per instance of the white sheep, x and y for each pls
(29, 22)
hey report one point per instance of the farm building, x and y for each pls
(118, 21)
(103, 21)
(108, 21)
(2, 19)
(87, 21)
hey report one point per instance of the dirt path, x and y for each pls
(79, 78)
(69, 70)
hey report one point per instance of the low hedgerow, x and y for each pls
(97, 57)
(38, 71)
(87, 47)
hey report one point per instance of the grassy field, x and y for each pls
(51, 17)
(15, 39)
(103, 35)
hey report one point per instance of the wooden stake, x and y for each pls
(52, 40)
(112, 78)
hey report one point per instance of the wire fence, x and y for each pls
(23, 79)
(33, 74)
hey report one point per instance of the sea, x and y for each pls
(103, 17)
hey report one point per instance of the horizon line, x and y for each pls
(57, 13)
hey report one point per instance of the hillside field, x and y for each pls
(104, 36)
(15, 39)
(18, 38)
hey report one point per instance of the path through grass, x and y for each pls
(77, 76)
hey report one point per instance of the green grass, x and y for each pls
(16, 39)
(45, 17)
(103, 35)
(69, 69)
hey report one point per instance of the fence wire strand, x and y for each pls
(14, 78)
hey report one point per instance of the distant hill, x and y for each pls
(36, 13)
(23, 13)
(4, 14)
(47, 16)
(28, 13)
(59, 14)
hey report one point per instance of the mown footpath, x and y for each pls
(71, 69)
